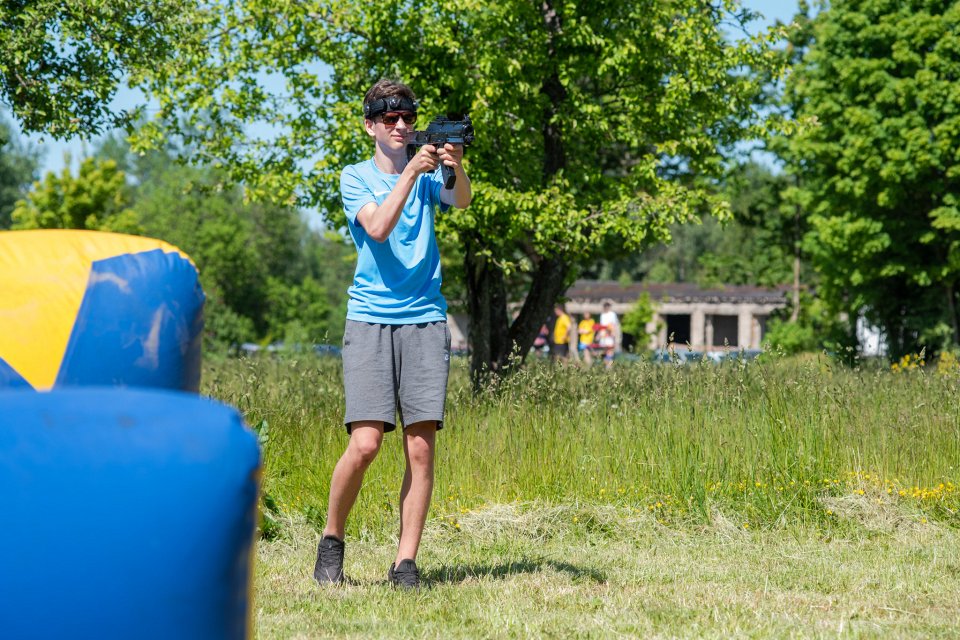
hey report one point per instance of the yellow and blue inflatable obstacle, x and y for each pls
(126, 513)
(96, 308)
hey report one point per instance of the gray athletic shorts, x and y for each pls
(387, 367)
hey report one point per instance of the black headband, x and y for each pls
(390, 103)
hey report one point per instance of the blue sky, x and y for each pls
(53, 150)
(782, 10)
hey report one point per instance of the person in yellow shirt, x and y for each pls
(586, 330)
(561, 333)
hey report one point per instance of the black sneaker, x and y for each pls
(329, 567)
(405, 575)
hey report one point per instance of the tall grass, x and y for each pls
(768, 443)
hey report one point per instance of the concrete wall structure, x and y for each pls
(712, 312)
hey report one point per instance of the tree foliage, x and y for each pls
(18, 167)
(755, 246)
(96, 199)
(63, 62)
(880, 174)
(634, 321)
(266, 274)
(763, 251)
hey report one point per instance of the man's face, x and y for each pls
(392, 129)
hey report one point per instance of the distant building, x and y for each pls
(706, 319)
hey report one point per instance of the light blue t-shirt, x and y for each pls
(397, 281)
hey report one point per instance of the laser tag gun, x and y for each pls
(438, 133)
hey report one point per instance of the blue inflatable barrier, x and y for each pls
(126, 514)
(97, 308)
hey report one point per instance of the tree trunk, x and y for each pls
(487, 305)
(795, 312)
(492, 343)
(797, 217)
(952, 310)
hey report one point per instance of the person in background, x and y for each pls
(607, 344)
(586, 329)
(560, 349)
(611, 321)
(541, 344)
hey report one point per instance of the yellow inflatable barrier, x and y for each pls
(96, 308)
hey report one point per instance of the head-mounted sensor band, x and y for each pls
(390, 103)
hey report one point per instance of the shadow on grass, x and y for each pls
(461, 573)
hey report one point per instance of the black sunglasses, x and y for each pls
(390, 119)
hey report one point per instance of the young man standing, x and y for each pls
(396, 345)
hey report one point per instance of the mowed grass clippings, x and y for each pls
(765, 499)
(639, 580)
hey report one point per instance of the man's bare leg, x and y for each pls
(419, 440)
(365, 440)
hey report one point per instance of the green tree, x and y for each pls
(634, 321)
(183, 206)
(599, 123)
(761, 248)
(755, 246)
(815, 327)
(299, 313)
(266, 274)
(18, 168)
(97, 199)
(880, 173)
(332, 259)
(676, 258)
(792, 202)
(63, 62)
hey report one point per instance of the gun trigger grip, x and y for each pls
(449, 176)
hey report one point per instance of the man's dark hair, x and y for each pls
(384, 89)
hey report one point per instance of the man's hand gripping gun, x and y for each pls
(438, 133)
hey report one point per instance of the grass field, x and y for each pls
(764, 499)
